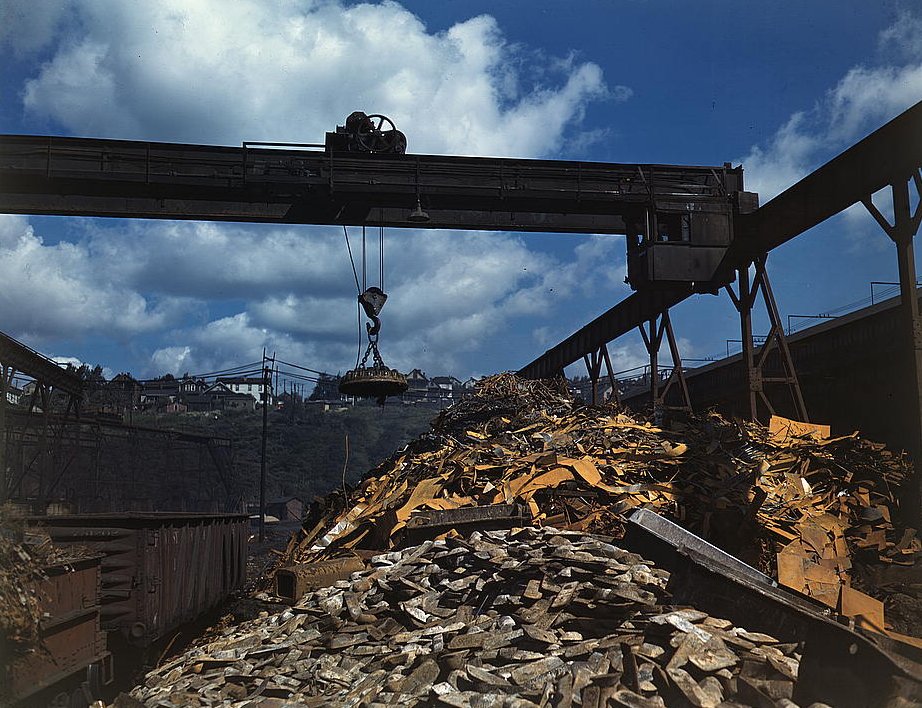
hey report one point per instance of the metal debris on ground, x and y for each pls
(528, 617)
(787, 499)
(24, 554)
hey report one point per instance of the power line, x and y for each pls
(303, 368)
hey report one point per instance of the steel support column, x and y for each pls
(267, 379)
(594, 361)
(754, 362)
(58, 467)
(902, 232)
(6, 382)
(653, 339)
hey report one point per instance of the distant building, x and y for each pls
(189, 386)
(157, 395)
(417, 387)
(286, 508)
(219, 397)
(13, 395)
(581, 389)
(444, 387)
(417, 381)
(116, 397)
(250, 385)
(126, 390)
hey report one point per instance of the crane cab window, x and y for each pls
(673, 228)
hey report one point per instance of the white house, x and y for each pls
(250, 385)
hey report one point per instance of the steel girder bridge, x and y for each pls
(689, 229)
(50, 450)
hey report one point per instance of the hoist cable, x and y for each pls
(381, 255)
(352, 261)
(358, 333)
(364, 266)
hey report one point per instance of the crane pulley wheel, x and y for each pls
(377, 133)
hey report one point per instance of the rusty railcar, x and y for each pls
(72, 658)
(159, 570)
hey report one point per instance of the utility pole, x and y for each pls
(267, 373)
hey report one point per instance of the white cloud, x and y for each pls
(170, 359)
(29, 26)
(448, 296)
(66, 290)
(289, 71)
(68, 361)
(868, 97)
(223, 261)
(903, 38)
(231, 341)
(863, 100)
(221, 72)
(450, 293)
(786, 159)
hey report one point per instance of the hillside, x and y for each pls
(306, 448)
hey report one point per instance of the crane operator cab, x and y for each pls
(681, 237)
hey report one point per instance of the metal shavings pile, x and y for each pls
(794, 503)
(24, 554)
(532, 617)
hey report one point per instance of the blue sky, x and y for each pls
(780, 87)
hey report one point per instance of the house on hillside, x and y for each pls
(286, 508)
(250, 385)
(189, 386)
(125, 390)
(441, 387)
(219, 397)
(417, 386)
(157, 395)
(116, 397)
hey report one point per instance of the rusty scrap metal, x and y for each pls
(840, 666)
(69, 635)
(293, 582)
(427, 524)
(49, 611)
(800, 506)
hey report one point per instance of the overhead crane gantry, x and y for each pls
(689, 229)
(679, 220)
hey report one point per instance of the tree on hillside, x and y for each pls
(327, 388)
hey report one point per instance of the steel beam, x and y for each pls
(893, 151)
(39, 367)
(871, 164)
(906, 222)
(652, 336)
(622, 318)
(119, 178)
(594, 361)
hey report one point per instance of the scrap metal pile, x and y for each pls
(23, 557)
(531, 617)
(787, 499)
